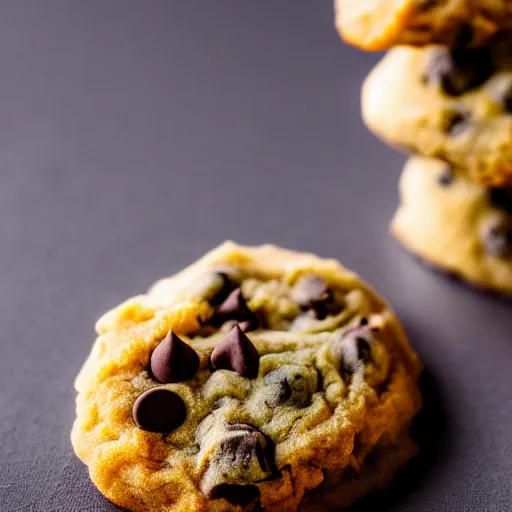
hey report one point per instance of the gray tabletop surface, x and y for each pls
(136, 135)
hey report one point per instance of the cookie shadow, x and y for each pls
(458, 281)
(430, 429)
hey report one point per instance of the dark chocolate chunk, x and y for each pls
(212, 287)
(281, 392)
(236, 353)
(321, 310)
(224, 287)
(235, 308)
(159, 410)
(498, 240)
(464, 35)
(242, 448)
(236, 494)
(289, 384)
(455, 121)
(446, 177)
(173, 360)
(238, 457)
(311, 292)
(458, 71)
(310, 289)
(501, 198)
(355, 348)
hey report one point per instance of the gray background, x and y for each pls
(136, 135)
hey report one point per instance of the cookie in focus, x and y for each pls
(256, 379)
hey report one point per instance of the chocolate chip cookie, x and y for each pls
(455, 105)
(378, 24)
(256, 379)
(456, 224)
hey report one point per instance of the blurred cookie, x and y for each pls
(454, 105)
(455, 224)
(250, 380)
(378, 25)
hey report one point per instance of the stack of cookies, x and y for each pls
(447, 98)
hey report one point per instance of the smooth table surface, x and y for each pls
(134, 136)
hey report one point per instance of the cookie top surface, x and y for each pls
(238, 381)
(378, 25)
(451, 104)
(456, 224)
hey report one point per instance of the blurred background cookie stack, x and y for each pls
(443, 92)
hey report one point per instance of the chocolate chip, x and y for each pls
(159, 410)
(311, 292)
(310, 289)
(236, 494)
(454, 122)
(235, 308)
(224, 287)
(457, 71)
(501, 198)
(236, 353)
(281, 391)
(238, 456)
(498, 240)
(446, 177)
(290, 384)
(464, 35)
(240, 449)
(245, 445)
(212, 287)
(173, 360)
(321, 310)
(355, 348)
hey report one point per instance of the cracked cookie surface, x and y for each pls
(456, 224)
(455, 105)
(255, 379)
(379, 24)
